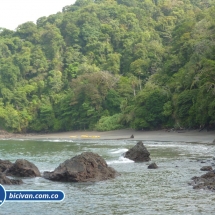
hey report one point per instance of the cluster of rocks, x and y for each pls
(205, 181)
(85, 167)
(91, 167)
(139, 153)
(82, 168)
(21, 168)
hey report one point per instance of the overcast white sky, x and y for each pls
(16, 12)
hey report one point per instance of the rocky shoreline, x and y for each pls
(91, 167)
(85, 167)
(205, 181)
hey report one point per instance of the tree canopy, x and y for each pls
(110, 64)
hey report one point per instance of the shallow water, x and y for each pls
(137, 191)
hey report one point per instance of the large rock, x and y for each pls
(23, 168)
(82, 168)
(206, 181)
(206, 168)
(5, 180)
(4, 165)
(138, 153)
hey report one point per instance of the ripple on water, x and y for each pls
(137, 191)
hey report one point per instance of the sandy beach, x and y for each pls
(160, 135)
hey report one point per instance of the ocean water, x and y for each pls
(138, 190)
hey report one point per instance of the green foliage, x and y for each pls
(112, 102)
(45, 117)
(110, 64)
(149, 109)
(184, 107)
(107, 123)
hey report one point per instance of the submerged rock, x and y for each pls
(82, 168)
(152, 166)
(206, 168)
(4, 165)
(5, 180)
(203, 161)
(23, 168)
(206, 181)
(138, 153)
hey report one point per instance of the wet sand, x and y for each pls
(160, 135)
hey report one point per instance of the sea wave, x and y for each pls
(56, 140)
(119, 151)
(121, 160)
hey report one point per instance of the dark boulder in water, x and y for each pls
(152, 166)
(138, 153)
(206, 181)
(4, 165)
(85, 167)
(5, 180)
(23, 168)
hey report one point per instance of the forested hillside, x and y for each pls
(110, 64)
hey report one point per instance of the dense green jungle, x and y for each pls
(111, 64)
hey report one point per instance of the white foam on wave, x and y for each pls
(19, 139)
(13, 139)
(167, 145)
(121, 160)
(186, 147)
(44, 170)
(57, 141)
(119, 151)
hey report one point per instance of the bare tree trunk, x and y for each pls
(140, 83)
(134, 91)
